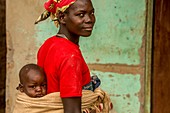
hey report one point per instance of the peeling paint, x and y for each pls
(123, 89)
(118, 32)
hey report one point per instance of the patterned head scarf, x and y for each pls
(53, 7)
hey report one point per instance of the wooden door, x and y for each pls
(161, 58)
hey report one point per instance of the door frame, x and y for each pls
(148, 57)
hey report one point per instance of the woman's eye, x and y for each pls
(92, 13)
(81, 15)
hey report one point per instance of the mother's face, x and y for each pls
(80, 18)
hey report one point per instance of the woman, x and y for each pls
(60, 55)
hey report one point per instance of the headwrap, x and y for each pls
(53, 7)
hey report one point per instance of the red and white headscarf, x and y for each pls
(52, 8)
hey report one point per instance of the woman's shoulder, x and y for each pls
(52, 41)
(56, 40)
(60, 46)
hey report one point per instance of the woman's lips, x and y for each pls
(88, 28)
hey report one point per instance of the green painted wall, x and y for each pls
(124, 89)
(117, 40)
(117, 34)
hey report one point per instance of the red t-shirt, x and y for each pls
(64, 66)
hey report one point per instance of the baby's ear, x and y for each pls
(20, 88)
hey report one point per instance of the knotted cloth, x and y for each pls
(52, 8)
(52, 103)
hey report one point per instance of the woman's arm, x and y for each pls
(72, 104)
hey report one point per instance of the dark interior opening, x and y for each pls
(3, 51)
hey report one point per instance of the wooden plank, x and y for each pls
(161, 58)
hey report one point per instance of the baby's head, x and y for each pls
(32, 81)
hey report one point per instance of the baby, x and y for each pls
(32, 81)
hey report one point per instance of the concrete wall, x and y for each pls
(115, 51)
(21, 42)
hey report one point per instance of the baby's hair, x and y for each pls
(25, 69)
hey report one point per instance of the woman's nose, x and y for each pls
(88, 19)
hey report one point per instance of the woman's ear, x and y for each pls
(62, 17)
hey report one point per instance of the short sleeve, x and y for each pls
(71, 77)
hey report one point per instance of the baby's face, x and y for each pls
(35, 84)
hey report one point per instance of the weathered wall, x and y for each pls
(115, 51)
(21, 42)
